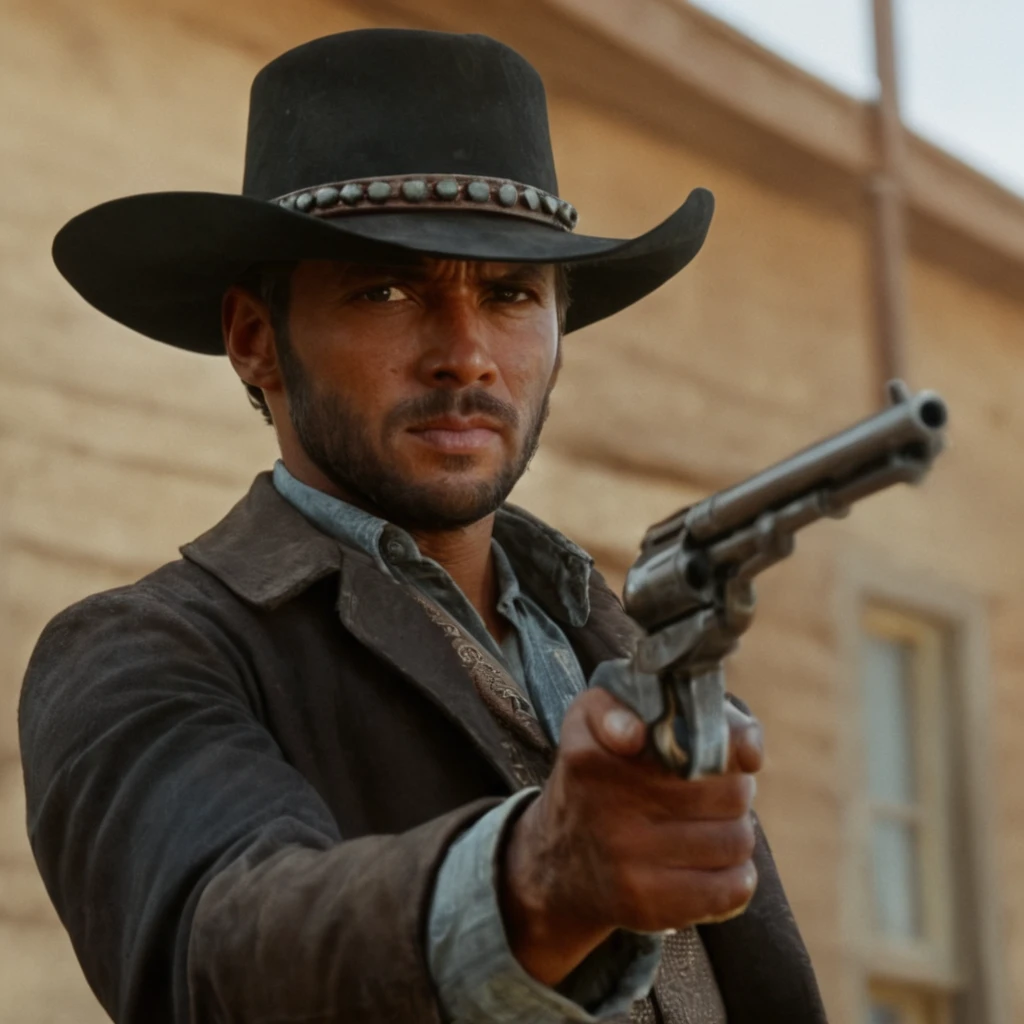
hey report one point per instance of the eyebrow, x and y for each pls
(518, 273)
(524, 273)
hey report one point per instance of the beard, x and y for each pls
(341, 446)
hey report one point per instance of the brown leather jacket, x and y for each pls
(244, 771)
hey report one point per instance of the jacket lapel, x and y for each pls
(388, 619)
(495, 686)
(267, 553)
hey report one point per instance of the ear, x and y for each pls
(249, 338)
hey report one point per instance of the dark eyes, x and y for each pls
(384, 293)
(504, 293)
(387, 293)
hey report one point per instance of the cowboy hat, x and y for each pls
(380, 145)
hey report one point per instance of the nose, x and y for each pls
(458, 353)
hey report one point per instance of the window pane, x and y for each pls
(889, 712)
(883, 1014)
(897, 896)
(899, 1004)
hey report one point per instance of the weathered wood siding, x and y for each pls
(114, 450)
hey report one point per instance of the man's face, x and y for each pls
(420, 392)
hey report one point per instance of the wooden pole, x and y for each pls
(886, 186)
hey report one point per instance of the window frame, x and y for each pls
(973, 962)
(917, 1007)
(934, 954)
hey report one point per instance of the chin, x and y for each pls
(447, 471)
(453, 503)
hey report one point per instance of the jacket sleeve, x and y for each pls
(199, 875)
(479, 980)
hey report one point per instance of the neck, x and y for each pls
(465, 554)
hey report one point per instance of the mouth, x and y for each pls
(457, 435)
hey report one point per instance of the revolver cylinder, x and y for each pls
(666, 585)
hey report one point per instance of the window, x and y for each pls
(922, 939)
(913, 974)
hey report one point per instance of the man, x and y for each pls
(339, 763)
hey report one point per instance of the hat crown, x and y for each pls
(386, 102)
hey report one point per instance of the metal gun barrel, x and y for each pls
(691, 588)
(917, 420)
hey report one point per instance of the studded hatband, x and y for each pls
(433, 192)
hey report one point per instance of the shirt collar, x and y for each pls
(338, 519)
(552, 570)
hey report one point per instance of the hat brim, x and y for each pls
(159, 263)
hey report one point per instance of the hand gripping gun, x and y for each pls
(691, 589)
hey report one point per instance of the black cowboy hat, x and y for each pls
(380, 145)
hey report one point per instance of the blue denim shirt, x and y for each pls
(478, 979)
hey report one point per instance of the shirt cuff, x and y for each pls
(479, 980)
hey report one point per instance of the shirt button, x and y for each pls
(394, 549)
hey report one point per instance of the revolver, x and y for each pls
(691, 588)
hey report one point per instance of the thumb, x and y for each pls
(618, 729)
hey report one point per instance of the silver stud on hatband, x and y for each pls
(414, 191)
(447, 189)
(500, 195)
(352, 193)
(327, 196)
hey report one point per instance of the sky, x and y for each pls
(961, 65)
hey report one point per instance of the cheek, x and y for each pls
(368, 377)
(531, 382)
(529, 363)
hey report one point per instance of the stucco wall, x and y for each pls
(114, 450)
